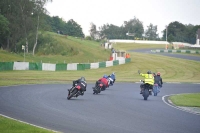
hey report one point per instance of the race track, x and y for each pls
(119, 109)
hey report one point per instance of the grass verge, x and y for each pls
(13, 126)
(187, 100)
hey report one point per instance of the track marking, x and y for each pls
(176, 107)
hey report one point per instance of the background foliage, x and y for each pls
(22, 22)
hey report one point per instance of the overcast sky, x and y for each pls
(99, 12)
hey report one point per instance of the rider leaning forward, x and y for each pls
(83, 84)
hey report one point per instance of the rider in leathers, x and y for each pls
(112, 76)
(148, 78)
(83, 84)
(104, 81)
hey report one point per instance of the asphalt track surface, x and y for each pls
(119, 109)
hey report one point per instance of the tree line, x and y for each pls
(22, 22)
(176, 31)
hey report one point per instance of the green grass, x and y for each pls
(13, 126)
(132, 46)
(172, 70)
(89, 51)
(187, 100)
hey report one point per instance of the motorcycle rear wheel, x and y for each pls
(146, 94)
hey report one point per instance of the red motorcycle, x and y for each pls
(97, 89)
(74, 91)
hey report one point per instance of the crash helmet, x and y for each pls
(82, 79)
(158, 73)
(149, 72)
(105, 76)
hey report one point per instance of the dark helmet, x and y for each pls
(82, 79)
(149, 72)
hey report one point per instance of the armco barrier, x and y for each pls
(35, 66)
(102, 64)
(115, 62)
(87, 66)
(6, 66)
(109, 63)
(127, 60)
(32, 66)
(60, 66)
(121, 62)
(94, 65)
(72, 66)
(48, 67)
(80, 67)
(39, 65)
(21, 66)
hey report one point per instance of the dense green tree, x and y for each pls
(4, 30)
(170, 38)
(134, 26)
(20, 14)
(151, 32)
(191, 33)
(73, 29)
(179, 32)
(109, 31)
(10, 10)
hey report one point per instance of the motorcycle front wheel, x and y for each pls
(72, 94)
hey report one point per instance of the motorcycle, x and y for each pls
(98, 88)
(146, 90)
(110, 81)
(74, 91)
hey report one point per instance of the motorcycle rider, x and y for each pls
(83, 84)
(112, 80)
(155, 86)
(158, 80)
(148, 78)
(104, 81)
